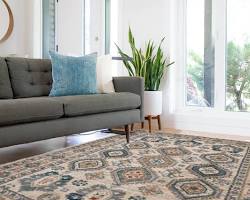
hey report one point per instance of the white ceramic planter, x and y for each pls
(153, 103)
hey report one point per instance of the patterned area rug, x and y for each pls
(152, 167)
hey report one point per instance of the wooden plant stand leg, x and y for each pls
(150, 123)
(158, 117)
(127, 131)
(159, 121)
(132, 127)
(142, 125)
(149, 118)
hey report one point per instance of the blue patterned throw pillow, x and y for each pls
(73, 75)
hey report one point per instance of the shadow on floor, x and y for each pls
(13, 153)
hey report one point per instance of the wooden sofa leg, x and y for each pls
(127, 132)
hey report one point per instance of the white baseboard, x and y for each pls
(213, 124)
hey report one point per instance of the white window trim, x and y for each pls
(214, 119)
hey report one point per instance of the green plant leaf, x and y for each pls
(150, 64)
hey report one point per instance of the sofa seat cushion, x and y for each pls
(99, 103)
(27, 110)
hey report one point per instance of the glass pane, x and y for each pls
(48, 27)
(200, 54)
(95, 26)
(107, 25)
(238, 56)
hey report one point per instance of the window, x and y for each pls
(48, 27)
(200, 54)
(89, 33)
(107, 25)
(238, 56)
(218, 65)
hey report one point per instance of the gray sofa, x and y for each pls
(27, 114)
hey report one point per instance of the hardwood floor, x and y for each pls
(10, 154)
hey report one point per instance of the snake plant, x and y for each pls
(149, 64)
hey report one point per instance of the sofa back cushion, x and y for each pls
(5, 85)
(30, 77)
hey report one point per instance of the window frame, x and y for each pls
(48, 27)
(220, 45)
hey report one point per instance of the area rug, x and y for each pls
(156, 166)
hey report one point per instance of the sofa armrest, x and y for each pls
(131, 84)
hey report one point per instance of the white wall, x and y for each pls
(37, 28)
(20, 42)
(149, 20)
